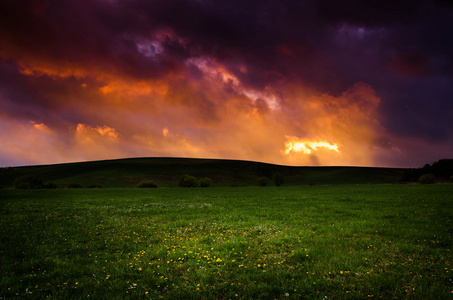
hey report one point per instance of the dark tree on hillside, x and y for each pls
(426, 169)
(279, 178)
(188, 181)
(443, 168)
(205, 182)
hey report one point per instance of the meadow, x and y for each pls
(309, 242)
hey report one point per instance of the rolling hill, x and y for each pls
(166, 172)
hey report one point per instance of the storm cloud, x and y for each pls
(85, 80)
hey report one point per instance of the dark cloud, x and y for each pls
(410, 64)
(372, 13)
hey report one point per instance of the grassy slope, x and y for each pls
(167, 171)
(319, 242)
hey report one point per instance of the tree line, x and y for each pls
(439, 171)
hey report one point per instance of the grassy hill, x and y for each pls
(167, 172)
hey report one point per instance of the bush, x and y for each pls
(279, 179)
(28, 182)
(147, 184)
(263, 181)
(188, 181)
(427, 178)
(205, 182)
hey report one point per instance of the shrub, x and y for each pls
(263, 181)
(279, 178)
(188, 181)
(427, 178)
(28, 182)
(205, 182)
(147, 184)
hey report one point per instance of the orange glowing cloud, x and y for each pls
(118, 87)
(46, 69)
(40, 144)
(100, 136)
(325, 122)
(218, 76)
(37, 143)
(295, 145)
(246, 123)
(105, 131)
(165, 131)
(41, 127)
(216, 115)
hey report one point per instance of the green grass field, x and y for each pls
(319, 242)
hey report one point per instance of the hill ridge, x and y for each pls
(166, 171)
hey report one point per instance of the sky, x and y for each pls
(306, 83)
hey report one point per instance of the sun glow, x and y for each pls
(295, 144)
